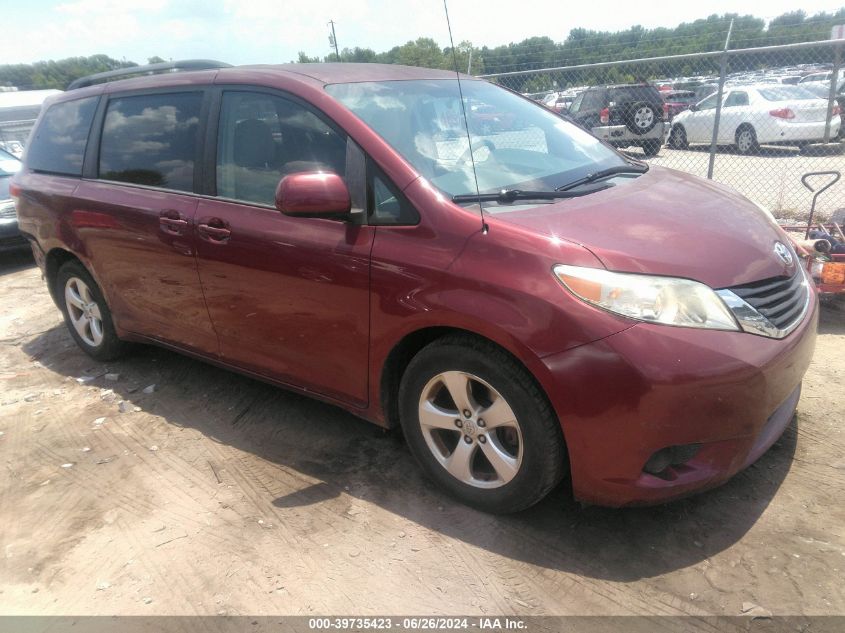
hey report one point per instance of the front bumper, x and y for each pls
(625, 397)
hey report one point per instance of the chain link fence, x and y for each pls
(756, 119)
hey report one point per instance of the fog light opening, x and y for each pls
(663, 462)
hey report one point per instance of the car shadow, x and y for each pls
(832, 315)
(313, 441)
(16, 260)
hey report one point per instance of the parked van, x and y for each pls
(527, 304)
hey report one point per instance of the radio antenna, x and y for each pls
(484, 227)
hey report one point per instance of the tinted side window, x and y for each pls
(264, 137)
(151, 140)
(593, 100)
(58, 145)
(736, 99)
(387, 206)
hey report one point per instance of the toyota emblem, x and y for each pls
(783, 253)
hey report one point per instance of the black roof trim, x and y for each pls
(148, 69)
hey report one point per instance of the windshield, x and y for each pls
(516, 143)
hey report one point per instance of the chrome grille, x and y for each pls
(7, 211)
(780, 300)
(771, 307)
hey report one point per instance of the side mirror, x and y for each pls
(313, 194)
(693, 108)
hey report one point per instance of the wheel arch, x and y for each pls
(53, 261)
(742, 126)
(403, 351)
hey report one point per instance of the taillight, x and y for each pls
(782, 113)
(836, 110)
(604, 115)
(14, 193)
(665, 110)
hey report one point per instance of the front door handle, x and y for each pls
(214, 230)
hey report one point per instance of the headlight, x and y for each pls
(666, 300)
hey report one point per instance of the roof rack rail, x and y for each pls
(111, 75)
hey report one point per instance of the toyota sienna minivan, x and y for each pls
(527, 304)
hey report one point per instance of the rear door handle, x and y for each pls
(214, 230)
(172, 222)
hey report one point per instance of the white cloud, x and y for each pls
(272, 31)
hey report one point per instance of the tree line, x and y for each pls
(581, 46)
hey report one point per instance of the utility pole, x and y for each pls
(723, 69)
(469, 63)
(333, 40)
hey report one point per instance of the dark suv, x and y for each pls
(623, 115)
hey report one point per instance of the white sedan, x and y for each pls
(751, 115)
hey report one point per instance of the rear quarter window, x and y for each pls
(58, 144)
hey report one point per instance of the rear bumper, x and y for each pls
(622, 399)
(622, 135)
(785, 131)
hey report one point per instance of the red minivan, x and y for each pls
(528, 304)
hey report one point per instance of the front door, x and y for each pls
(289, 297)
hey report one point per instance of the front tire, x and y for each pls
(86, 313)
(479, 425)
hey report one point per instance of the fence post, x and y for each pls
(723, 71)
(834, 84)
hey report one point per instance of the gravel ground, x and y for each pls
(216, 494)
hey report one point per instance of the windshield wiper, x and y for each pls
(511, 195)
(630, 168)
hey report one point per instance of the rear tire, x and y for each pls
(746, 140)
(678, 138)
(86, 313)
(651, 148)
(451, 439)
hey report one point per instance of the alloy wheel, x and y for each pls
(470, 429)
(83, 311)
(745, 141)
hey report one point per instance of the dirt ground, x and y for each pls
(217, 494)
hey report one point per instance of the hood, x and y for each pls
(666, 222)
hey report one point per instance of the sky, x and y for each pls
(273, 31)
